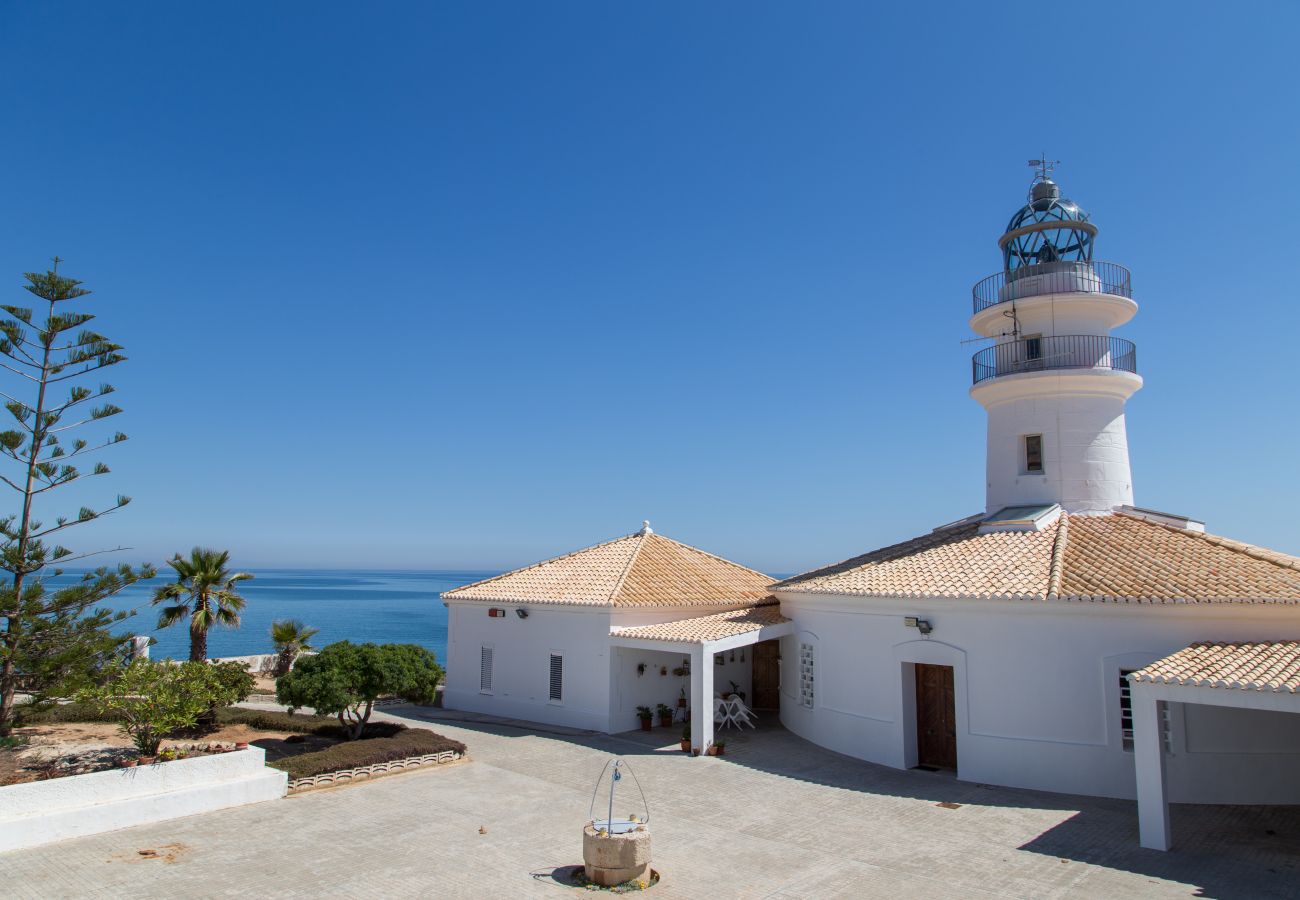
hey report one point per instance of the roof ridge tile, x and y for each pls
(631, 561)
(1055, 569)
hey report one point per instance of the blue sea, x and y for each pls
(352, 604)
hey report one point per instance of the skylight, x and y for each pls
(1021, 518)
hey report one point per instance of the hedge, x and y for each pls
(367, 752)
(63, 712)
(262, 719)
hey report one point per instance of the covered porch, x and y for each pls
(1248, 676)
(709, 644)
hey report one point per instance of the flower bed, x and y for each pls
(312, 750)
(407, 743)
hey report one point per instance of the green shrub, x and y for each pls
(154, 699)
(324, 726)
(59, 713)
(232, 682)
(353, 754)
(273, 720)
(346, 679)
(260, 719)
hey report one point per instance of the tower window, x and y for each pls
(1033, 347)
(1033, 453)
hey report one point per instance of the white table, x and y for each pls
(731, 711)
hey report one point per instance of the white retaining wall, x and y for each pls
(40, 812)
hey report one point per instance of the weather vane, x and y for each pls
(1044, 166)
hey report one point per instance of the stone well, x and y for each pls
(615, 858)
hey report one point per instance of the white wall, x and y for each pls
(738, 670)
(1052, 314)
(521, 662)
(1037, 688)
(1080, 415)
(40, 812)
(630, 690)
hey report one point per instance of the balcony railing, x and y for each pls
(1053, 278)
(1066, 351)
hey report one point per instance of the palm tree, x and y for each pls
(204, 591)
(290, 637)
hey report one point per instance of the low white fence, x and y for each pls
(40, 812)
(343, 776)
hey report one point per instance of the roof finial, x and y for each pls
(1043, 190)
(1044, 166)
(645, 528)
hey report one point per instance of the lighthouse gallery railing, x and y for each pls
(1053, 278)
(1065, 351)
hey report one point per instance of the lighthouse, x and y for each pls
(1055, 380)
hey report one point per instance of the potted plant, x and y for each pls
(665, 714)
(681, 701)
(719, 747)
(646, 716)
(686, 738)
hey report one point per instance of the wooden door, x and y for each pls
(767, 675)
(936, 717)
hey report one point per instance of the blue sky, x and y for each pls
(463, 285)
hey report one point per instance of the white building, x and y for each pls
(583, 640)
(999, 646)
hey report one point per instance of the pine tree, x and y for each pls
(51, 635)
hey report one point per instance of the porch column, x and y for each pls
(1149, 766)
(701, 697)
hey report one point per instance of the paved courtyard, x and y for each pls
(776, 817)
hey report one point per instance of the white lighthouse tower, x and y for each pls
(1055, 382)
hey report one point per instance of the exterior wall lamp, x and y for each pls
(921, 625)
(521, 613)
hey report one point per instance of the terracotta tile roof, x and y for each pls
(1114, 557)
(643, 569)
(955, 561)
(1263, 666)
(708, 628)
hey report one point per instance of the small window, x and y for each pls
(807, 674)
(1126, 708)
(1126, 713)
(1034, 347)
(557, 678)
(1033, 453)
(485, 670)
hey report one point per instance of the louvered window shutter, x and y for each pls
(557, 677)
(485, 671)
